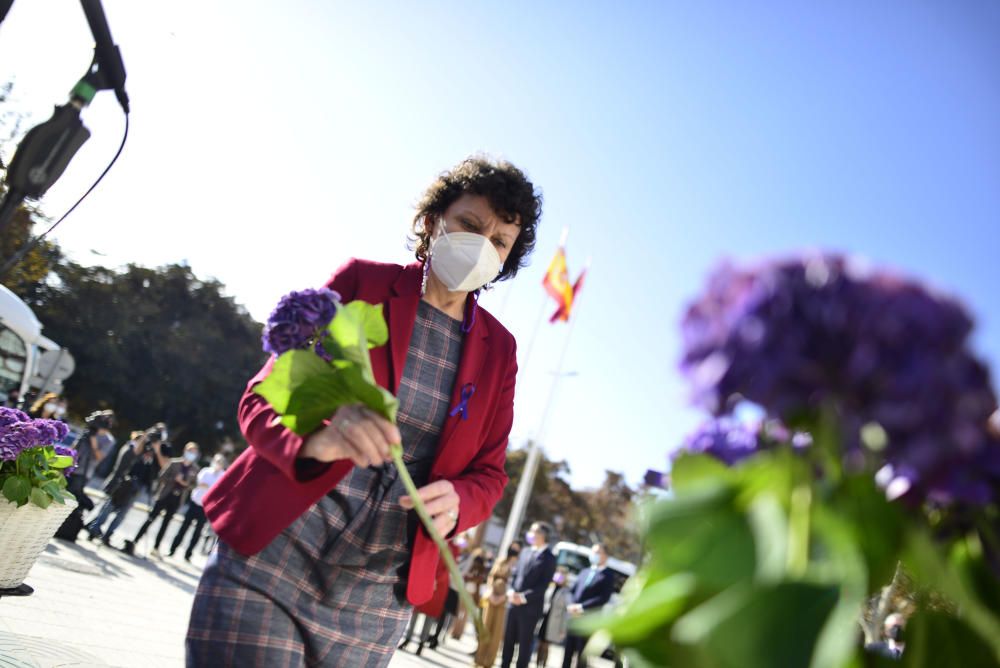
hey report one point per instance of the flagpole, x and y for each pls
(541, 317)
(520, 502)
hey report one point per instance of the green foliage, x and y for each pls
(766, 564)
(938, 639)
(36, 476)
(305, 390)
(153, 344)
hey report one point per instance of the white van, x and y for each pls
(576, 557)
(28, 359)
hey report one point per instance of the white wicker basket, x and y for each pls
(24, 533)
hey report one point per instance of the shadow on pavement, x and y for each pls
(425, 659)
(101, 562)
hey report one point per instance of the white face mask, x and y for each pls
(464, 261)
(191, 456)
(50, 407)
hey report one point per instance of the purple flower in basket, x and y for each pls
(801, 335)
(19, 432)
(10, 416)
(298, 319)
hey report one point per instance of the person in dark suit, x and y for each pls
(526, 598)
(593, 589)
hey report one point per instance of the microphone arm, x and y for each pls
(46, 149)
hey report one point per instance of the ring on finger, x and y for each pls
(453, 515)
(344, 424)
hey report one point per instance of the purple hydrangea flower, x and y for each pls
(19, 432)
(10, 416)
(298, 319)
(800, 335)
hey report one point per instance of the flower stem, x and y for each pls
(798, 530)
(456, 575)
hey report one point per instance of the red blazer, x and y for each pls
(267, 487)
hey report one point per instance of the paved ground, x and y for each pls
(96, 606)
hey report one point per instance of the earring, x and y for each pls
(423, 282)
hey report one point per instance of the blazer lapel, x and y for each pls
(401, 313)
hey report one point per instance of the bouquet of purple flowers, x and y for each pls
(879, 446)
(322, 364)
(33, 465)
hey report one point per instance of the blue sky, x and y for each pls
(270, 141)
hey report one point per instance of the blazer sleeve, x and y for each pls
(481, 484)
(601, 594)
(260, 423)
(537, 579)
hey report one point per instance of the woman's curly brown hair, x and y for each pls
(510, 194)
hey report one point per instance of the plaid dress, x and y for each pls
(330, 590)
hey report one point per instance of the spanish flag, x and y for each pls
(562, 313)
(556, 283)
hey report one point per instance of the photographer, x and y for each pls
(195, 514)
(174, 482)
(136, 468)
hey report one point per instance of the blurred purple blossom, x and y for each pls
(732, 441)
(298, 319)
(821, 332)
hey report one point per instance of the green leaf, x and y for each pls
(315, 400)
(702, 533)
(759, 627)
(291, 370)
(54, 490)
(838, 559)
(359, 324)
(877, 525)
(969, 561)
(319, 395)
(368, 393)
(16, 489)
(769, 525)
(60, 462)
(357, 327)
(776, 474)
(929, 567)
(692, 471)
(936, 639)
(40, 498)
(656, 605)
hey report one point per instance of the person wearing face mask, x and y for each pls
(175, 481)
(207, 477)
(320, 555)
(556, 620)
(44, 406)
(526, 597)
(593, 589)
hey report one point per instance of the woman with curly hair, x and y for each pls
(320, 556)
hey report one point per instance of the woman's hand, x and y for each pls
(441, 501)
(354, 433)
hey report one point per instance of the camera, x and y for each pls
(156, 434)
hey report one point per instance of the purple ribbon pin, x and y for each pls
(463, 405)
